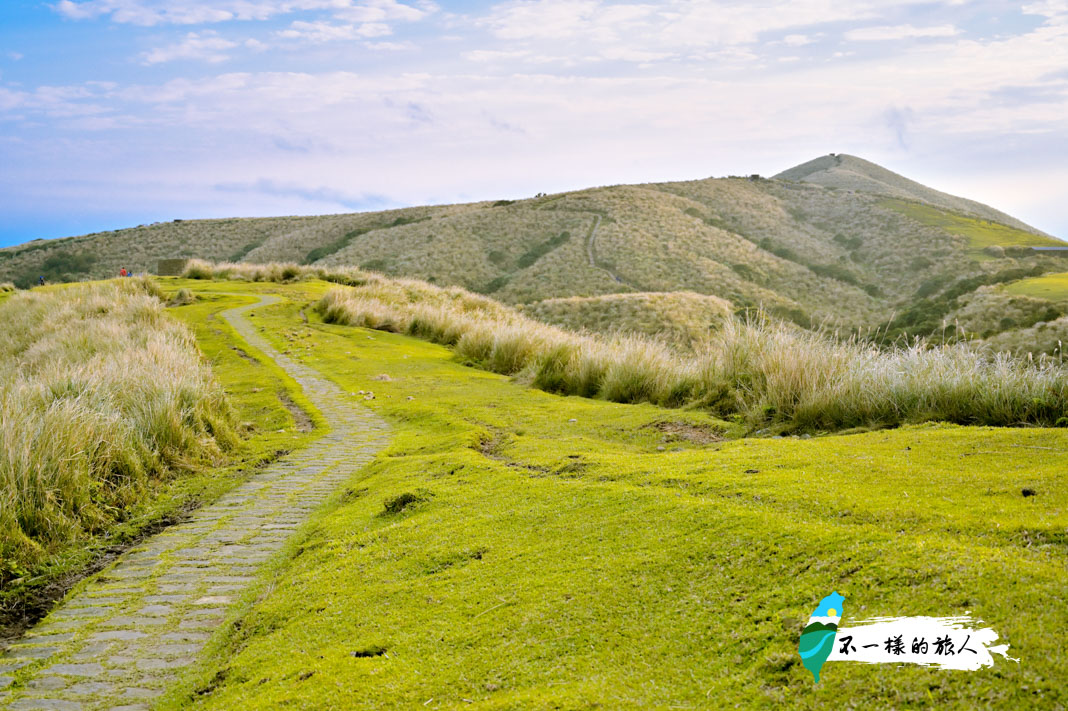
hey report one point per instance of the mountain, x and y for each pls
(847, 172)
(837, 241)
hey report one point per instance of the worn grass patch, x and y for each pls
(573, 564)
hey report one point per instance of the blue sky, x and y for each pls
(121, 112)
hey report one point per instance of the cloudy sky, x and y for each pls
(120, 112)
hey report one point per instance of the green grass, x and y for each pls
(267, 428)
(979, 233)
(552, 555)
(1048, 286)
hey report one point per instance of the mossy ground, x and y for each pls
(1048, 286)
(552, 555)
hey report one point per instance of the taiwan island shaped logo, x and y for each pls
(942, 642)
(817, 639)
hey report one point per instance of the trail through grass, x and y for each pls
(517, 549)
(104, 437)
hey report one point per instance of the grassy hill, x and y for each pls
(848, 172)
(837, 241)
(518, 548)
(562, 552)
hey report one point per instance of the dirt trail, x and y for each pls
(141, 622)
(591, 254)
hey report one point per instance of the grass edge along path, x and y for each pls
(269, 431)
(126, 633)
(517, 549)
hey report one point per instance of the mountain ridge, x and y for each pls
(837, 241)
(844, 171)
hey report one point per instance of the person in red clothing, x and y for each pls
(122, 272)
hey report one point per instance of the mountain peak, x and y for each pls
(843, 171)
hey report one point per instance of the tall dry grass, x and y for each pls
(101, 394)
(275, 272)
(768, 372)
(763, 370)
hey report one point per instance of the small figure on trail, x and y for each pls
(122, 272)
(40, 280)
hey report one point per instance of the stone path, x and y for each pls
(141, 622)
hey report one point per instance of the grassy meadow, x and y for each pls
(1053, 287)
(765, 372)
(756, 369)
(514, 548)
(113, 424)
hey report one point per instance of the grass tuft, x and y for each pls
(100, 394)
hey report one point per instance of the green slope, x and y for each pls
(1049, 286)
(568, 553)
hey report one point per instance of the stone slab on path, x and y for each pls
(140, 623)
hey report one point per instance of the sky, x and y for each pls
(115, 113)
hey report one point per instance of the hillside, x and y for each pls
(681, 318)
(848, 172)
(837, 241)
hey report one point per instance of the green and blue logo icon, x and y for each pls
(817, 639)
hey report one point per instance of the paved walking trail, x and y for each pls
(141, 622)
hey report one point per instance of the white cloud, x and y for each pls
(204, 47)
(1047, 8)
(672, 24)
(390, 46)
(625, 54)
(899, 32)
(488, 55)
(323, 32)
(797, 40)
(384, 11)
(15, 56)
(193, 12)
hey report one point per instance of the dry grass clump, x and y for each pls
(681, 318)
(100, 395)
(240, 271)
(766, 371)
(6, 287)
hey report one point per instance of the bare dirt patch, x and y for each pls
(245, 355)
(300, 417)
(686, 431)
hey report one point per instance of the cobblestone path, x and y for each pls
(141, 622)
